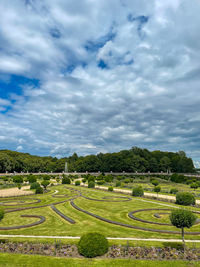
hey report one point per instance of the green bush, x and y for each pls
(155, 182)
(39, 190)
(66, 180)
(157, 189)
(91, 184)
(173, 190)
(110, 188)
(92, 245)
(31, 178)
(137, 191)
(1, 213)
(18, 179)
(77, 183)
(194, 185)
(34, 185)
(185, 198)
(126, 181)
(100, 182)
(118, 183)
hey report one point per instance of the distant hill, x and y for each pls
(134, 159)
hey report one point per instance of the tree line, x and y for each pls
(132, 160)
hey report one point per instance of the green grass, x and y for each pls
(18, 260)
(117, 211)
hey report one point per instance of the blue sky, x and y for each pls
(99, 76)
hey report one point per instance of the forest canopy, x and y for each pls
(132, 160)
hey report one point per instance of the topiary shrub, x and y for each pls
(34, 185)
(66, 180)
(185, 198)
(137, 191)
(1, 213)
(39, 190)
(91, 184)
(110, 188)
(173, 190)
(118, 183)
(77, 183)
(100, 182)
(92, 245)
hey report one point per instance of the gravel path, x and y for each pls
(110, 238)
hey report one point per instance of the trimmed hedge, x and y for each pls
(66, 180)
(91, 184)
(39, 190)
(92, 245)
(34, 185)
(185, 198)
(138, 191)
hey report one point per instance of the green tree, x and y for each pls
(157, 189)
(155, 182)
(91, 184)
(182, 218)
(138, 191)
(45, 183)
(194, 186)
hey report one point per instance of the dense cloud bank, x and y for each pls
(99, 76)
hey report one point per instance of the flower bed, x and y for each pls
(60, 250)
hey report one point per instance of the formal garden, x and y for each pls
(72, 207)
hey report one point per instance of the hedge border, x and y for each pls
(62, 215)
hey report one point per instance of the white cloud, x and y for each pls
(147, 96)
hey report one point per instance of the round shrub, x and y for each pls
(185, 198)
(92, 245)
(66, 180)
(157, 189)
(126, 181)
(110, 188)
(118, 183)
(173, 190)
(91, 184)
(138, 191)
(100, 182)
(39, 190)
(34, 185)
(77, 183)
(155, 182)
(1, 213)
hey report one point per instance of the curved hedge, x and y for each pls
(42, 219)
(92, 245)
(62, 215)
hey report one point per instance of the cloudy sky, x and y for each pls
(96, 76)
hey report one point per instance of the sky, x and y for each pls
(95, 76)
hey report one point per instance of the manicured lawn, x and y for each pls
(18, 260)
(116, 211)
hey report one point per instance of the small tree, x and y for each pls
(77, 183)
(39, 190)
(19, 186)
(66, 180)
(118, 183)
(34, 185)
(91, 184)
(157, 189)
(155, 182)
(110, 188)
(45, 183)
(138, 191)
(185, 198)
(194, 186)
(173, 190)
(84, 180)
(182, 218)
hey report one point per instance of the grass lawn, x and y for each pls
(18, 260)
(116, 211)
